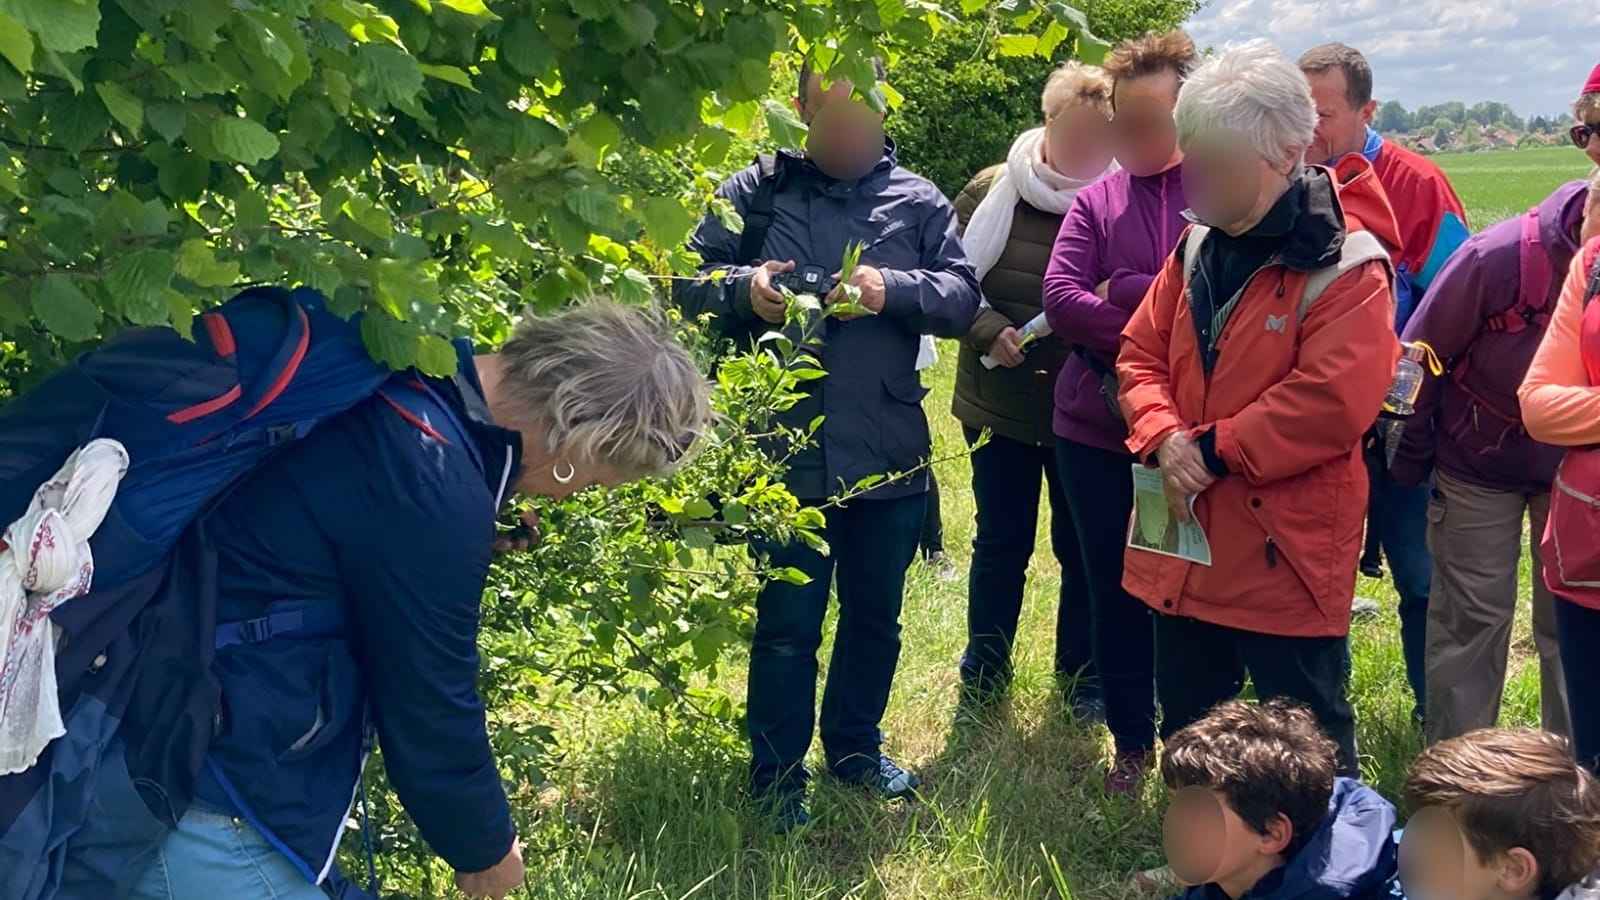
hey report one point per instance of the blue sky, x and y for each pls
(1532, 54)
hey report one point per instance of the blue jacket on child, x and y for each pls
(1350, 857)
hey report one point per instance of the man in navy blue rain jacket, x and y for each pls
(914, 277)
(387, 513)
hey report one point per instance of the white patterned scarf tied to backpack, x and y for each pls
(45, 561)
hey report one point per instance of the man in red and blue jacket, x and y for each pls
(1433, 224)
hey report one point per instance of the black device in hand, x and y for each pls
(806, 280)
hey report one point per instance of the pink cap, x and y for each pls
(1592, 86)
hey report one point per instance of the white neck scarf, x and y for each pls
(1026, 176)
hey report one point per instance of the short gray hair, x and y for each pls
(1250, 89)
(607, 384)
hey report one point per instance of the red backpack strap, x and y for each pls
(1533, 291)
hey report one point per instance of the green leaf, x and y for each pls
(199, 77)
(77, 121)
(596, 208)
(890, 12)
(1016, 44)
(16, 44)
(1053, 35)
(243, 140)
(390, 341)
(64, 310)
(595, 9)
(183, 175)
(197, 261)
(436, 356)
(525, 48)
(666, 221)
(62, 25)
(785, 127)
(180, 308)
(138, 285)
(127, 109)
(470, 7)
(337, 84)
(390, 74)
(634, 287)
(789, 575)
(599, 133)
(448, 73)
(373, 218)
(249, 212)
(167, 118)
(71, 69)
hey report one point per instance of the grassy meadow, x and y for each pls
(639, 810)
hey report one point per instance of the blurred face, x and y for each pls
(1227, 183)
(1077, 141)
(1587, 136)
(1207, 843)
(845, 139)
(1341, 128)
(1437, 862)
(1144, 136)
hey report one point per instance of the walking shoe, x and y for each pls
(1127, 773)
(886, 779)
(1363, 606)
(1372, 568)
(784, 806)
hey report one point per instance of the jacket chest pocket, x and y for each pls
(895, 245)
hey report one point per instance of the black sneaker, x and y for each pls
(888, 780)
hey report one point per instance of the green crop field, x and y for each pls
(645, 808)
(1496, 186)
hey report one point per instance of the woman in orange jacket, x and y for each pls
(1250, 373)
(1560, 399)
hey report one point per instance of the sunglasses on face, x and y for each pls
(1581, 134)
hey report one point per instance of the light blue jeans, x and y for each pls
(212, 856)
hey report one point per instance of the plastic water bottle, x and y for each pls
(1402, 396)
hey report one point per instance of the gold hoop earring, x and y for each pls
(572, 472)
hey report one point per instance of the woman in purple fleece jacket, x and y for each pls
(1485, 316)
(1112, 243)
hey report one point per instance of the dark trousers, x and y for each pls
(1098, 485)
(1402, 527)
(1578, 630)
(1199, 665)
(1005, 487)
(872, 543)
(932, 539)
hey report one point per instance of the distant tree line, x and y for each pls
(1455, 124)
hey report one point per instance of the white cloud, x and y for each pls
(1532, 54)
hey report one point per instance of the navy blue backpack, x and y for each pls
(133, 663)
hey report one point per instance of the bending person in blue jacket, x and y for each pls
(801, 211)
(389, 511)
